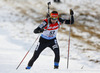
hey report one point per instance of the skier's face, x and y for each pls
(53, 21)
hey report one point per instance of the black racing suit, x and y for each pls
(52, 43)
(43, 43)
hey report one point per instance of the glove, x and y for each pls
(38, 30)
(71, 12)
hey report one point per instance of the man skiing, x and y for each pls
(48, 30)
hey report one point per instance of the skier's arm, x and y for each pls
(40, 28)
(71, 20)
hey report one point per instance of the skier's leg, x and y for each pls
(40, 47)
(35, 56)
(55, 49)
(57, 57)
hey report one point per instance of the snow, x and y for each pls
(12, 53)
(16, 37)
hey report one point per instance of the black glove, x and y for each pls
(47, 15)
(38, 30)
(71, 12)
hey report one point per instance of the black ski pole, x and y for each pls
(27, 52)
(69, 43)
(49, 3)
(48, 14)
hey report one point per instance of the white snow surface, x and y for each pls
(16, 37)
(12, 51)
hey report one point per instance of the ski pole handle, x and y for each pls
(48, 14)
(48, 6)
(49, 3)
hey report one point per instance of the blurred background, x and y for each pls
(20, 17)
